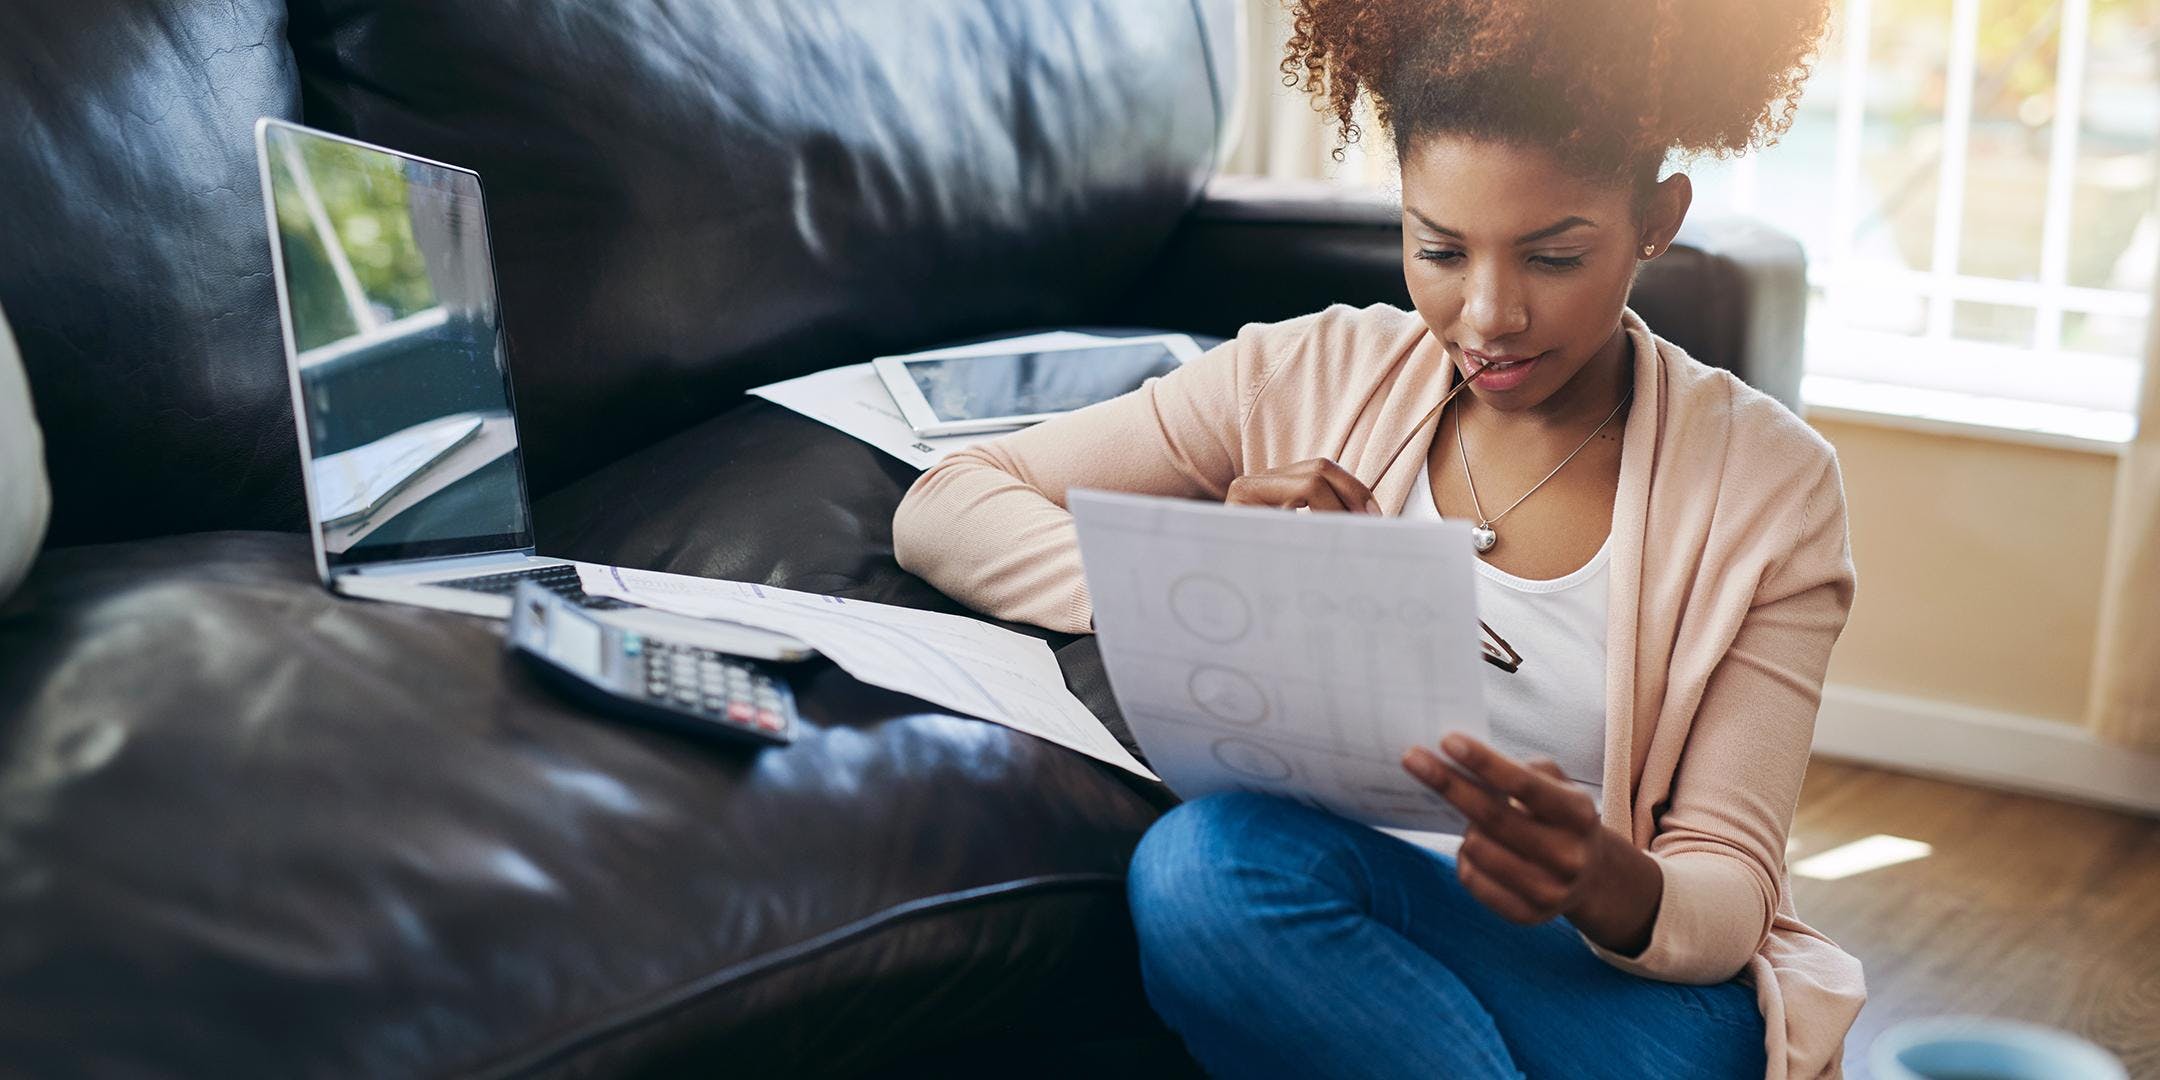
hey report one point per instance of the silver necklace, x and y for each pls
(1482, 535)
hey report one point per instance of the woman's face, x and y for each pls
(1515, 262)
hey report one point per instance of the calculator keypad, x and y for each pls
(709, 683)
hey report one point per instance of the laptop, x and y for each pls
(401, 390)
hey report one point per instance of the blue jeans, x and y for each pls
(1279, 940)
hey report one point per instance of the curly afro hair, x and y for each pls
(1611, 86)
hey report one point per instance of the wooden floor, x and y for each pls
(2028, 908)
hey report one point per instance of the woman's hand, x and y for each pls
(1535, 850)
(1315, 483)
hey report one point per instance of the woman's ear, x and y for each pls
(1669, 203)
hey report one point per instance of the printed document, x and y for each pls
(1298, 655)
(854, 400)
(962, 664)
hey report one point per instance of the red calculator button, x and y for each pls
(740, 713)
(768, 719)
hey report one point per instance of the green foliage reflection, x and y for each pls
(364, 195)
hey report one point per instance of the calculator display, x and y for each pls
(574, 642)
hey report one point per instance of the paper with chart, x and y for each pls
(854, 400)
(962, 664)
(1294, 654)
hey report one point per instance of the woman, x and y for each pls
(1665, 547)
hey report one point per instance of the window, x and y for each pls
(1973, 180)
(1974, 183)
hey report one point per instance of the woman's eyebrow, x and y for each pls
(1554, 229)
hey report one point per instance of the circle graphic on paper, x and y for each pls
(1248, 758)
(1210, 608)
(1227, 695)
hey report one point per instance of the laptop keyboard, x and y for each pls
(560, 580)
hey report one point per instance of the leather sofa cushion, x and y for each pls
(249, 828)
(133, 264)
(687, 200)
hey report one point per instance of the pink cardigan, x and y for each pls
(1731, 579)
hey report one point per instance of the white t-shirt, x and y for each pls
(1554, 705)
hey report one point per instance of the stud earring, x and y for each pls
(1649, 250)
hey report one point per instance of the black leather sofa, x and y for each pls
(250, 829)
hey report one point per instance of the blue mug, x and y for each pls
(1987, 1048)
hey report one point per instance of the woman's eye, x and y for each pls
(1553, 262)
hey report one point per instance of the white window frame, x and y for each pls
(2081, 396)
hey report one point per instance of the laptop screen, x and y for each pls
(396, 345)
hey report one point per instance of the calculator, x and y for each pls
(646, 680)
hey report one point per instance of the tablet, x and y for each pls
(963, 392)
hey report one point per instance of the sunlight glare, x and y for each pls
(1860, 856)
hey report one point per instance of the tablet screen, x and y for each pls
(1032, 383)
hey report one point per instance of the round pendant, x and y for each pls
(1483, 538)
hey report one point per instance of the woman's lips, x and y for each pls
(1500, 373)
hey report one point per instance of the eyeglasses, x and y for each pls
(1497, 651)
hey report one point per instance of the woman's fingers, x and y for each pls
(1547, 795)
(1348, 489)
(1261, 489)
(1544, 844)
(1433, 771)
(1321, 497)
(1547, 766)
(1547, 845)
(1528, 881)
(1493, 894)
(1316, 483)
(1283, 490)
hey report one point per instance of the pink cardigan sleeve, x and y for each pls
(989, 527)
(1721, 838)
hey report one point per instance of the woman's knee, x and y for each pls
(1192, 890)
(1199, 836)
(1203, 863)
(1178, 854)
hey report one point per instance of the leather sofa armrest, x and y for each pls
(1732, 291)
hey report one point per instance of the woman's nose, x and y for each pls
(1495, 306)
